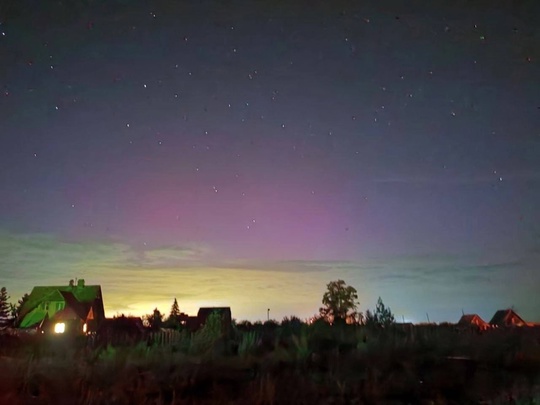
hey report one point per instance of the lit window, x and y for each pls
(84, 328)
(59, 327)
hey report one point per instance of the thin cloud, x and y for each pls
(52, 257)
(169, 257)
(136, 281)
(459, 179)
(295, 266)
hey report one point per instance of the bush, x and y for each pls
(204, 339)
(248, 342)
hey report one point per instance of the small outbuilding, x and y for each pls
(121, 330)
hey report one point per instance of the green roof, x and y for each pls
(31, 314)
(32, 318)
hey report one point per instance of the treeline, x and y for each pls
(340, 305)
(9, 312)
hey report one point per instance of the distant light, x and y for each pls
(59, 327)
(85, 328)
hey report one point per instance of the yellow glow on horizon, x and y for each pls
(248, 292)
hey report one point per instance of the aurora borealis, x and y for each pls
(246, 153)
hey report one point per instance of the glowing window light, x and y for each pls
(59, 327)
(84, 328)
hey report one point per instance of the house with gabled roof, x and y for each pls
(224, 313)
(473, 320)
(507, 318)
(74, 308)
(121, 330)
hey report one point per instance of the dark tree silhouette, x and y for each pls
(16, 309)
(175, 310)
(382, 316)
(5, 318)
(340, 303)
(154, 320)
(174, 321)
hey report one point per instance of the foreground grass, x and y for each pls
(305, 366)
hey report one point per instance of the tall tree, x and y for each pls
(5, 317)
(154, 320)
(16, 309)
(382, 316)
(175, 310)
(340, 303)
(174, 319)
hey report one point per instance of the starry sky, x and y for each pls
(246, 153)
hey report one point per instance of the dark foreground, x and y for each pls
(306, 366)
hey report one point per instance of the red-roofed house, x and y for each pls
(473, 320)
(507, 318)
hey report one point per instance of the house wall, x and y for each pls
(52, 307)
(73, 327)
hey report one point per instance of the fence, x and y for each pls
(165, 337)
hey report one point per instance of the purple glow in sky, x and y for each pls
(246, 153)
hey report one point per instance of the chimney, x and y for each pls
(80, 283)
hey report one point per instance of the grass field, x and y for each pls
(287, 364)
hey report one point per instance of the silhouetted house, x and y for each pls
(192, 323)
(506, 318)
(74, 309)
(473, 320)
(203, 314)
(121, 330)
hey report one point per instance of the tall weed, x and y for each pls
(248, 343)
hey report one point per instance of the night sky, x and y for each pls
(246, 153)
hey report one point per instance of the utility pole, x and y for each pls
(268, 314)
(427, 315)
